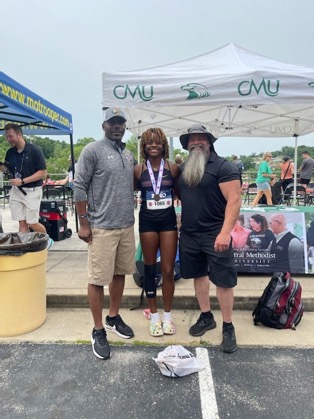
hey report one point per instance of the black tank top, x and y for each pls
(145, 185)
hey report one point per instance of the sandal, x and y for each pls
(168, 327)
(155, 329)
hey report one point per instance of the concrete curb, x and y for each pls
(247, 303)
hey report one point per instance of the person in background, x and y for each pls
(260, 235)
(156, 178)
(287, 172)
(239, 165)
(103, 195)
(286, 246)
(239, 234)
(306, 169)
(71, 171)
(210, 193)
(178, 159)
(26, 163)
(60, 182)
(48, 180)
(264, 176)
(177, 203)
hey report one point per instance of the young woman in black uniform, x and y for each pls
(156, 178)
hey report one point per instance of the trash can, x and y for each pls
(23, 259)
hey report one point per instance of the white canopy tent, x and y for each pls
(231, 90)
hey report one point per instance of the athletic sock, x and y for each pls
(154, 317)
(166, 316)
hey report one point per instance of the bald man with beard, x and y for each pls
(211, 199)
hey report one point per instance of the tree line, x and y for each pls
(57, 152)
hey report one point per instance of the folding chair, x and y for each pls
(251, 190)
(310, 194)
(51, 192)
(288, 196)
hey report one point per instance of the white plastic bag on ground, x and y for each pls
(176, 361)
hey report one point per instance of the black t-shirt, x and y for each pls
(260, 240)
(26, 163)
(203, 207)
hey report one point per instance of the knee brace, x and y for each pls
(149, 281)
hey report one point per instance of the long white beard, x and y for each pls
(194, 168)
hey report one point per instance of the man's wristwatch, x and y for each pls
(22, 182)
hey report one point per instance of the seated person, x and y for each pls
(61, 182)
(48, 180)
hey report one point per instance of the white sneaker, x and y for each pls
(50, 243)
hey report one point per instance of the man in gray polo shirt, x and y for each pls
(103, 194)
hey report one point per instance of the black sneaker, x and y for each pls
(100, 344)
(229, 343)
(118, 327)
(202, 325)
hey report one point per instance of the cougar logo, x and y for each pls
(196, 91)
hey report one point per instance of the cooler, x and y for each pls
(55, 212)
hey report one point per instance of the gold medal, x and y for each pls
(156, 197)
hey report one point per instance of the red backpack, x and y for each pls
(280, 306)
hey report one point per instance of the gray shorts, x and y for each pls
(198, 258)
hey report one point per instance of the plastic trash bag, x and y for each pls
(17, 244)
(176, 361)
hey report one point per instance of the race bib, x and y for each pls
(158, 201)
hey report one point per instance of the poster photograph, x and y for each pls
(267, 241)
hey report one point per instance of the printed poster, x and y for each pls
(267, 241)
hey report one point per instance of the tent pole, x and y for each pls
(73, 171)
(296, 135)
(138, 150)
(171, 148)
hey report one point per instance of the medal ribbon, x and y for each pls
(156, 188)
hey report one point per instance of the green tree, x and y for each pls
(132, 145)
(81, 143)
(46, 144)
(182, 153)
(3, 147)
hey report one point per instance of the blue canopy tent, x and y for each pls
(35, 115)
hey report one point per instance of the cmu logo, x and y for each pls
(123, 91)
(196, 91)
(270, 88)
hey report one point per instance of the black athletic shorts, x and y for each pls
(199, 258)
(158, 224)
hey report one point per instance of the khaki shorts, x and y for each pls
(112, 252)
(25, 207)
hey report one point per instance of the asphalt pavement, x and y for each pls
(66, 381)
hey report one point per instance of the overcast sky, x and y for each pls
(59, 48)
